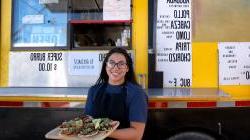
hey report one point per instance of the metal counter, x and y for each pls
(80, 94)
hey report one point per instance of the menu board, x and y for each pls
(173, 42)
(234, 63)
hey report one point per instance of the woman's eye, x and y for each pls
(121, 64)
(112, 63)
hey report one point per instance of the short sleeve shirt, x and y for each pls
(136, 101)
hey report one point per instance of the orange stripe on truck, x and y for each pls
(200, 104)
(242, 103)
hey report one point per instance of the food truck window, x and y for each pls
(71, 24)
(100, 24)
(39, 24)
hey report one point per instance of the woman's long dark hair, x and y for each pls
(130, 75)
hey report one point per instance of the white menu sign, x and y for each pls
(116, 10)
(234, 63)
(48, 1)
(33, 19)
(173, 42)
(38, 68)
(84, 63)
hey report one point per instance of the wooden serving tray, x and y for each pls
(55, 134)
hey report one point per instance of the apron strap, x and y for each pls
(112, 105)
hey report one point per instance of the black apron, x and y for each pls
(111, 105)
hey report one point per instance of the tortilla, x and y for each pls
(93, 133)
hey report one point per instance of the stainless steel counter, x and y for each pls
(75, 92)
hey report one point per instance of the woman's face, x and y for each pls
(116, 68)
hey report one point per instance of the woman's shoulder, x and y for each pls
(95, 88)
(133, 86)
(135, 89)
(136, 96)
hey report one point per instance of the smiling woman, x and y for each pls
(116, 95)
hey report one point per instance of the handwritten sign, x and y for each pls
(116, 10)
(234, 63)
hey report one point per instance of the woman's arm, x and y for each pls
(135, 132)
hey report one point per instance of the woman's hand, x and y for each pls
(135, 132)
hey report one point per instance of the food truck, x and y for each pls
(192, 58)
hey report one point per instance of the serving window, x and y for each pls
(71, 24)
(39, 24)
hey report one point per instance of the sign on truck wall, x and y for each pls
(87, 64)
(173, 42)
(234, 63)
(39, 69)
(56, 68)
(116, 9)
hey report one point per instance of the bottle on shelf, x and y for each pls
(125, 37)
(118, 43)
